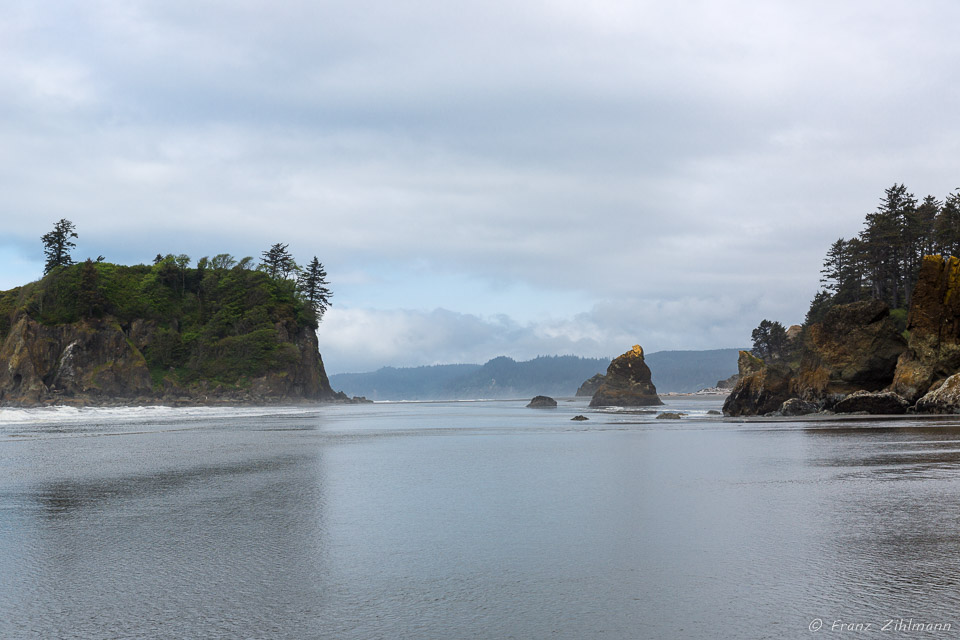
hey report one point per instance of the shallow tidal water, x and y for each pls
(474, 520)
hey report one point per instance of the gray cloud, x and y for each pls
(655, 159)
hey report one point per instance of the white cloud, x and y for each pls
(659, 159)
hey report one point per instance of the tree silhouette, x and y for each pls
(312, 285)
(57, 245)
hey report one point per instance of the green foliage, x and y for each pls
(57, 245)
(219, 321)
(821, 303)
(770, 340)
(899, 317)
(883, 261)
(312, 285)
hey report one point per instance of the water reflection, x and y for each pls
(233, 549)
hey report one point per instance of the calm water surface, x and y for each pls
(472, 520)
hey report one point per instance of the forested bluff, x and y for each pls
(882, 336)
(221, 331)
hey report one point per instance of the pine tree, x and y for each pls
(835, 267)
(947, 226)
(90, 300)
(277, 262)
(57, 245)
(769, 340)
(312, 285)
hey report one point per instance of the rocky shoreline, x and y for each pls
(856, 362)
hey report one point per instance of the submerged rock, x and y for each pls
(669, 415)
(627, 383)
(542, 402)
(872, 402)
(579, 418)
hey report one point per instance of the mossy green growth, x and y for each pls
(221, 325)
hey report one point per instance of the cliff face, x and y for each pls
(99, 361)
(854, 349)
(760, 388)
(933, 350)
(101, 333)
(627, 383)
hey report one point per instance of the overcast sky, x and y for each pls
(487, 178)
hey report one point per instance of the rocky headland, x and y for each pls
(856, 361)
(627, 383)
(222, 336)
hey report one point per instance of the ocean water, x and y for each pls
(474, 520)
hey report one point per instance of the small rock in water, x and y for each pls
(714, 412)
(669, 415)
(542, 402)
(579, 418)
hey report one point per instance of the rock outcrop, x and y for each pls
(728, 383)
(627, 383)
(590, 386)
(855, 348)
(542, 402)
(933, 349)
(942, 398)
(761, 388)
(98, 361)
(873, 402)
(798, 407)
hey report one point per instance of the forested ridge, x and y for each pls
(221, 320)
(883, 260)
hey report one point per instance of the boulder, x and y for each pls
(579, 418)
(542, 402)
(933, 349)
(855, 348)
(942, 398)
(627, 383)
(798, 407)
(873, 402)
(590, 386)
(669, 415)
(761, 388)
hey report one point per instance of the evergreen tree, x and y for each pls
(769, 340)
(277, 262)
(90, 300)
(835, 267)
(947, 226)
(821, 303)
(57, 245)
(312, 285)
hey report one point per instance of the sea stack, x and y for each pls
(627, 383)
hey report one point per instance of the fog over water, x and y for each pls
(470, 520)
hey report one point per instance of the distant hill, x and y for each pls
(410, 383)
(503, 377)
(689, 371)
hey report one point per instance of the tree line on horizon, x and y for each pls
(882, 262)
(309, 281)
